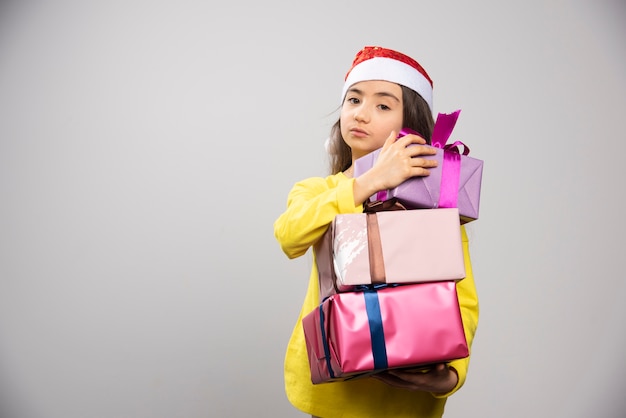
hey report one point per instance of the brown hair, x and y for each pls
(416, 115)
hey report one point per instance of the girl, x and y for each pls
(384, 91)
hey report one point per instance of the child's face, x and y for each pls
(370, 111)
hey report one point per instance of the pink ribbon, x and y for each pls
(451, 167)
(381, 195)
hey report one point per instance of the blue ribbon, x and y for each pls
(325, 343)
(375, 322)
(373, 287)
(377, 335)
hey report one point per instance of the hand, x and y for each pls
(398, 160)
(440, 378)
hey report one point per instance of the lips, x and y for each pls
(360, 133)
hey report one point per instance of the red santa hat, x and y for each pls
(377, 63)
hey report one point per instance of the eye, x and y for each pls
(384, 107)
(352, 100)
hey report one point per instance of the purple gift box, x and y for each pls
(455, 182)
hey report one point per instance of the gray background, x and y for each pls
(146, 147)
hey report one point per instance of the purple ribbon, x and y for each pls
(451, 167)
(381, 195)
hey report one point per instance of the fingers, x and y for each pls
(390, 140)
(421, 166)
(403, 141)
(416, 153)
(393, 380)
(416, 150)
(423, 162)
(412, 139)
(434, 369)
(403, 158)
(439, 378)
(421, 369)
(415, 145)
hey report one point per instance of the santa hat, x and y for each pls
(377, 63)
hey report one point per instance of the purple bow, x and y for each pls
(451, 167)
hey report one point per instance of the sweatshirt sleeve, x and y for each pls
(468, 302)
(311, 206)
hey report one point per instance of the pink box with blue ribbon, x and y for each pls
(455, 182)
(355, 334)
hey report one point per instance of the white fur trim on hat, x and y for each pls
(388, 69)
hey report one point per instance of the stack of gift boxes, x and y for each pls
(388, 276)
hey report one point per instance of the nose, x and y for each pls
(361, 115)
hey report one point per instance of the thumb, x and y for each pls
(441, 367)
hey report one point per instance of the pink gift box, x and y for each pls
(358, 333)
(455, 182)
(412, 246)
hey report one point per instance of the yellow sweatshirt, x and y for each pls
(311, 205)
